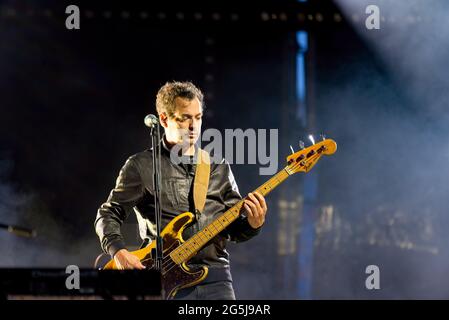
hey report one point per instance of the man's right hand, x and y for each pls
(125, 260)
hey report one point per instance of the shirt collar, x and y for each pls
(165, 146)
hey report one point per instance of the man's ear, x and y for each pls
(163, 119)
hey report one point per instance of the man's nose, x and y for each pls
(193, 124)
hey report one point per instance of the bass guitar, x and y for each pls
(175, 273)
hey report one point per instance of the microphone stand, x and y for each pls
(156, 155)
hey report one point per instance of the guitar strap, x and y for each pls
(201, 181)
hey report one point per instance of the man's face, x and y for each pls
(185, 127)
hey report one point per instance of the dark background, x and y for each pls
(72, 108)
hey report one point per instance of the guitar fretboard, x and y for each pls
(189, 248)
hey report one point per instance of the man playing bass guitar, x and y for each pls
(180, 109)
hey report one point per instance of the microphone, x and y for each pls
(151, 121)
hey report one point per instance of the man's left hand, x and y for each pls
(256, 208)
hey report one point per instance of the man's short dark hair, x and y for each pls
(165, 99)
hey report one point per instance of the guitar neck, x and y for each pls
(189, 248)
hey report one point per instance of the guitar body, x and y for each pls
(173, 276)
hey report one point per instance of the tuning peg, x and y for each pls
(311, 138)
(323, 137)
(291, 148)
(301, 144)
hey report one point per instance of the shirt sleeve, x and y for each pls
(126, 194)
(240, 230)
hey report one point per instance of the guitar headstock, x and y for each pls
(305, 159)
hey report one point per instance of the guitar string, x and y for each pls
(172, 263)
